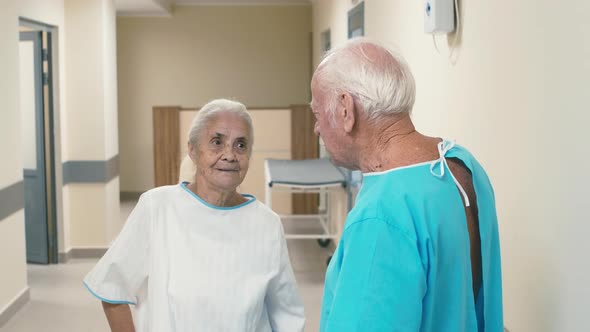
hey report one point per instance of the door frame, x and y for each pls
(51, 138)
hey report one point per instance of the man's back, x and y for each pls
(404, 262)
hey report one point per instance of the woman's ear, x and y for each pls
(192, 152)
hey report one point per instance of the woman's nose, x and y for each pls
(229, 153)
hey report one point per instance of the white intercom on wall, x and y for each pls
(439, 16)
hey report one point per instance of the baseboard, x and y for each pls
(64, 257)
(129, 195)
(87, 252)
(14, 306)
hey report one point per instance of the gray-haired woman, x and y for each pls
(200, 256)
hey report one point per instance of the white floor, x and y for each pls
(59, 302)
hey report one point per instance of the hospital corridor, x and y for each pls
(294, 165)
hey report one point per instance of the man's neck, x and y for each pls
(384, 142)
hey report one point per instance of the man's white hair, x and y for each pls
(214, 108)
(379, 80)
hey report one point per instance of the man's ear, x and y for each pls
(347, 111)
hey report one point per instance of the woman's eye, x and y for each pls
(216, 141)
(241, 146)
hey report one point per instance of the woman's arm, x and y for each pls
(283, 304)
(119, 317)
(122, 273)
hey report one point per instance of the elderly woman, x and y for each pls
(200, 256)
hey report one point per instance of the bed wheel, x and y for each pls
(324, 243)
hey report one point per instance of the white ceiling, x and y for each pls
(143, 7)
(164, 7)
(241, 2)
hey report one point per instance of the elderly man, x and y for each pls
(200, 256)
(420, 250)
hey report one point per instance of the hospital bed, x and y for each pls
(307, 176)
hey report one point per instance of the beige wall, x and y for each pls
(92, 104)
(517, 97)
(86, 209)
(13, 257)
(12, 230)
(109, 59)
(84, 74)
(95, 215)
(10, 128)
(259, 55)
(112, 208)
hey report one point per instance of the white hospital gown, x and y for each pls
(190, 266)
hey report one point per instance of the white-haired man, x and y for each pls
(420, 249)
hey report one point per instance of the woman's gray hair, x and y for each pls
(379, 80)
(214, 108)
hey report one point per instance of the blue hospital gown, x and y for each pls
(403, 262)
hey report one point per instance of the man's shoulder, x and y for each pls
(392, 210)
(462, 153)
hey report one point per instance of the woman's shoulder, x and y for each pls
(265, 213)
(163, 193)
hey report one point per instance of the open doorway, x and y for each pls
(37, 128)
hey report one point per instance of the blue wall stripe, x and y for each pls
(90, 171)
(12, 199)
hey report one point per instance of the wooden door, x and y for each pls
(304, 145)
(166, 149)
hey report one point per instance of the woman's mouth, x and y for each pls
(227, 169)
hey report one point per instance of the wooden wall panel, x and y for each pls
(166, 149)
(304, 145)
